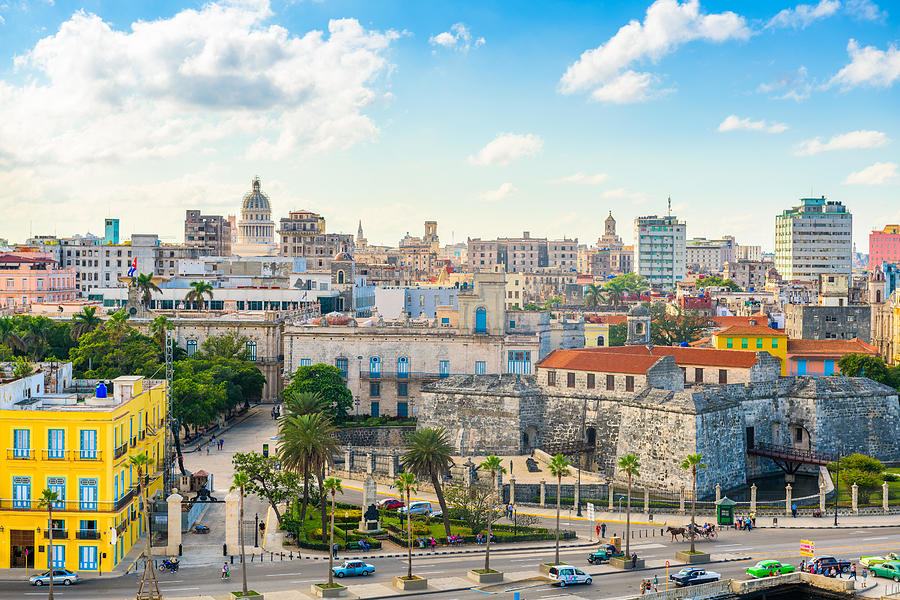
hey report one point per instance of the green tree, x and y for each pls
(629, 464)
(9, 335)
(627, 283)
(114, 350)
(305, 403)
(144, 284)
(618, 334)
(327, 382)
(240, 483)
(693, 463)
(866, 472)
(593, 295)
(118, 323)
(559, 468)
(674, 329)
(306, 446)
(331, 486)
(553, 302)
(158, 329)
(6, 355)
(472, 504)
(493, 465)
(267, 479)
(199, 289)
(716, 281)
(37, 336)
(229, 346)
(428, 454)
(407, 484)
(22, 367)
(48, 498)
(866, 365)
(85, 321)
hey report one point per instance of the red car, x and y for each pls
(390, 504)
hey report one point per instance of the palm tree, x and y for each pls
(305, 403)
(629, 464)
(693, 463)
(118, 322)
(332, 486)
(37, 333)
(307, 444)
(142, 463)
(158, 328)
(241, 481)
(615, 291)
(199, 289)
(407, 483)
(429, 456)
(85, 321)
(559, 468)
(593, 295)
(145, 284)
(493, 465)
(9, 335)
(48, 497)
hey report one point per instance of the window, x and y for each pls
(87, 558)
(723, 376)
(744, 343)
(402, 409)
(610, 382)
(729, 343)
(570, 380)
(21, 443)
(403, 367)
(759, 343)
(774, 342)
(480, 367)
(88, 446)
(403, 389)
(59, 551)
(191, 347)
(375, 409)
(21, 492)
(305, 362)
(512, 324)
(87, 494)
(698, 375)
(341, 364)
(551, 378)
(480, 321)
(629, 383)
(590, 381)
(375, 389)
(750, 437)
(251, 350)
(58, 485)
(375, 367)
(56, 443)
(798, 434)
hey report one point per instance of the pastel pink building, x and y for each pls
(884, 246)
(33, 278)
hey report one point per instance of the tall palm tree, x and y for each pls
(48, 498)
(493, 465)
(428, 454)
(141, 462)
(593, 295)
(198, 290)
(85, 321)
(629, 464)
(559, 468)
(145, 284)
(693, 463)
(332, 486)
(118, 322)
(158, 328)
(407, 484)
(37, 334)
(305, 403)
(241, 481)
(615, 291)
(307, 445)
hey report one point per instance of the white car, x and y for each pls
(417, 508)
(567, 574)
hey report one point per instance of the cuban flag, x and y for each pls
(133, 269)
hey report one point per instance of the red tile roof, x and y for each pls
(590, 359)
(800, 348)
(18, 258)
(710, 357)
(750, 330)
(732, 320)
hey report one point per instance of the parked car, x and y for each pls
(417, 508)
(603, 554)
(62, 576)
(353, 567)
(390, 504)
(567, 574)
(694, 576)
(889, 569)
(826, 562)
(869, 561)
(767, 568)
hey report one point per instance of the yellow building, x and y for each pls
(753, 338)
(77, 445)
(596, 335)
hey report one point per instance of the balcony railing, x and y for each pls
(58, 534)
(121, 450)
(20, 453)
(56, 454)
(134, 441)
(141, 435)
(88, 455)
(86, 534)
(403, 375)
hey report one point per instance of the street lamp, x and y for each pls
(515, 508)
(837, 482)
(578, 466)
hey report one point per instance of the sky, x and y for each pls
(491, 117)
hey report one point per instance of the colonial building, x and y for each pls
(303, 235)
(33, 278)
(256, 230)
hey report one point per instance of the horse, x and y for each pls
(676, 531)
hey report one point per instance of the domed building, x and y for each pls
(256, 228)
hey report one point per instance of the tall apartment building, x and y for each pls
(303, 235)
(210, 233)
(884, 246)
(523, 254)
(659, 250)
(812, 239)
(701, 253)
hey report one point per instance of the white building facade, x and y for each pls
(659, 250)
(813, 239)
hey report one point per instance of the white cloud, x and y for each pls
(735, 123)
(865, 10)
(794, 85)
(506, 148)
(623, 194)
(501, 193)
(200, 79)
(459, 38)
(869, 66)
(582, 178)
(667, 25)
(854, 140)
(879, 173)
(802, 15)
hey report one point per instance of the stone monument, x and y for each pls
(369, 520)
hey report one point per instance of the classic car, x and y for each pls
(603, 554)
(889, 569)
(694, 576)
(353, 567)
(390, 504)
(767, 568)
(868, 561)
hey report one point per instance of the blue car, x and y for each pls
(60, 576)
(353, 567)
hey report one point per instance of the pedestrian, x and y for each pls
(655, 584)
(598, 531)
(794, 510)
(853, 572)
(224, 571)
(207, 449)
(603, 530)
(334, 550)
(643, 586)
(634, 560)
(865, 574)
(802, 565)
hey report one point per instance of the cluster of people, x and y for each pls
(219, 442)
(818, 569)
(276, 412)
(746, 523)
(648, 585)
(481, 538)
(363, 544)
(455, 540)
(424, 542)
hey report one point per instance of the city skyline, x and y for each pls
(394, 114)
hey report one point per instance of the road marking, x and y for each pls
(282, 574)
(875, 538)
(303, 581)
(181, 589)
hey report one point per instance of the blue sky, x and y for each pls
(491, 117)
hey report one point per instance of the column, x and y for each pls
(543, 493)
(232, 521)
(612, 493)
(348, 461)
(647, 500)
(395, 465)
(718, 492)
(681, 501)
(370, 462)
(512, 490)
(787, 499)
(753, 498)
(884, 497)
(577, 496)
(822, 498)
(854, 498)
(174, 526)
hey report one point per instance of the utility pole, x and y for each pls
(837, 480)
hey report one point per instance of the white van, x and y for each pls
(417, 508)
(567, 574)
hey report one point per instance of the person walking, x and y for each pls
(598, 531)
(794, 510)
(225, 571)
(603, 530)
(334, 550)
(852, 572)
(655, 584)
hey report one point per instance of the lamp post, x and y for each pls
(515, 520)
(837, 483)
(578, 466)
(358, 383)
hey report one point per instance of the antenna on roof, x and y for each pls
(670, 206)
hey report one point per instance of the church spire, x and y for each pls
(359, 232)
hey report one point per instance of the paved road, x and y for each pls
(298, 574)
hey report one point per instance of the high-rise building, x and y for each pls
(701, 253)
(884, 246)
(210, 233)
(256, 227)
(659, 250)
(812, 239)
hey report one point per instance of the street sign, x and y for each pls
(807, 547)
(590, 511)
